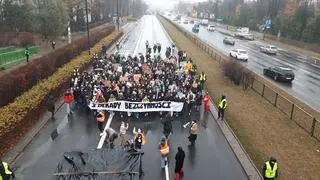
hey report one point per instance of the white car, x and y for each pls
(240, 54)
(269, 49)
(211, 28)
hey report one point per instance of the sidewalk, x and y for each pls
(45, 47)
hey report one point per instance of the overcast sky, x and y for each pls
(166, 4)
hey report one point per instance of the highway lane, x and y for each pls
(306, 85)
(212, 156)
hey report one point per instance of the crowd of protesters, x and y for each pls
(140, 79)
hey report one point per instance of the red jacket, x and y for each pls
(68, 98)
(206, 101)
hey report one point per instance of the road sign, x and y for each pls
(267, 24)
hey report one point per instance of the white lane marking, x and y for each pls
(167, 171)
(103, 137)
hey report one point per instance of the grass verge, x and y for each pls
(263, 130)
(26, 109)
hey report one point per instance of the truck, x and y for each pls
(204, 22)
(243, 32)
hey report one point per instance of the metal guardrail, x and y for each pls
(301, 117)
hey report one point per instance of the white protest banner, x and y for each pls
(127, 106)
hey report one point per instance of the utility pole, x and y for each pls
(118, 15)
(88, 34)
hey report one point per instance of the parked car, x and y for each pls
(279, 73)
(211, 28)
(240, 54)
(229, 40)
(196, 28)
(269, 49)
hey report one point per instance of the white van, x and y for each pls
(204, 22)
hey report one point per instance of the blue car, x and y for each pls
(195, 28)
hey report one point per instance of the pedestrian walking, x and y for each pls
(147, 44)
(206, 103)
(167, 126)
(5, 171)
(164, 151)
(178, 169)
(53, 44)
(155, 48)
(222, 105)
(159, 47)
(193, 133)
(111, 136)
(139, 139)
(27, 54)
(51, 106)
(270, 169)
(68, 99)
(100, 119)
(123, 133)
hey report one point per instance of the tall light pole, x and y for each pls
(88, 34)
(118, 15)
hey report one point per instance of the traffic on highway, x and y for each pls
(304, 82)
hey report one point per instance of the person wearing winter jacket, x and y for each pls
(178, 169)
(68, 99)
(123, 133)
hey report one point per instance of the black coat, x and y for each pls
(179, 160)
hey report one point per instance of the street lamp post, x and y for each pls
(88, 34)
(118, 15)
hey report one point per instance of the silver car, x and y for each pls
(229, 40)
(269, 49)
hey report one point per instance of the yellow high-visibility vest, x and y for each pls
(270, 173)
(6, 169)
(203, 77)
(221, 104)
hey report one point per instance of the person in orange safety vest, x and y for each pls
(164, 151)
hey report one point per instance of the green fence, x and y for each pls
(7, 49)
(12, 58)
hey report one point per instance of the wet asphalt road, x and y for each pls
(306, 85)
(211, 158)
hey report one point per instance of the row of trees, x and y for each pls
(51, 17)
(303, 24)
